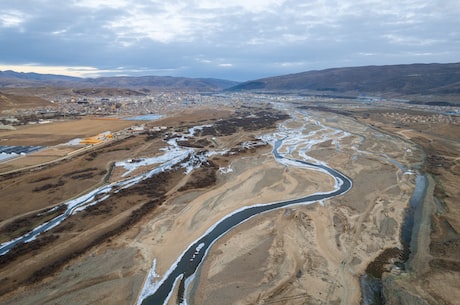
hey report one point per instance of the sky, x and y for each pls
(232, 39)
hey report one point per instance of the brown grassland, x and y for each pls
(313, 254)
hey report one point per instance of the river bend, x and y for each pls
(186, 266)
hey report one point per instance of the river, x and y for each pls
(183, 271)
(371, 287)
(187, 264)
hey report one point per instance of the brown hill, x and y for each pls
(159, 82)
(12, 101)
(11, 79)
(402, 79)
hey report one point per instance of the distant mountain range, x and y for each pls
(413, 79)
(402, 79)
(34, 77)
(11, 79)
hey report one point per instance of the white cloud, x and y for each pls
(101, 4)
(294, 38)
(12, 18)
(367, 54)
(165, 22)
(162, 28)
(59, 32)
(292, 64)
(409, 40)
(80, 71)
(253, 36)
(254, 6)
(254, 23)
(203, 60)
(83, 71)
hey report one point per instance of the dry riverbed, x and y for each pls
(314, 253)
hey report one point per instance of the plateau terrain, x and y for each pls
(148, 191)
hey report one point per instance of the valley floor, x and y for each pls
(305, 254)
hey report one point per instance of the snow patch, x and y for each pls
(150, 283)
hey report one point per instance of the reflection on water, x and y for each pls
(371, 289)
(145, 117)
(187, 264)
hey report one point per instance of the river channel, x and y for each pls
(186, 266)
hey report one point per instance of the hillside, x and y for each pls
(164, 82)
(12, 101)
(11, 79)
(402, 79)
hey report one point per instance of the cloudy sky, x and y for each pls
(231, 39)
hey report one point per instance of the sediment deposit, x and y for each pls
(313, 253)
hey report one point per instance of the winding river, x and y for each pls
(183, 270)
(186, 266)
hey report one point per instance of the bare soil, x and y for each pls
(10, 101)
(43, 188)
(314, 254)
(438, 239)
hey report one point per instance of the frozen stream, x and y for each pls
(172, 156)
(290, 148)
(284, 143)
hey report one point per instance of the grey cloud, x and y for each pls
(236, 40)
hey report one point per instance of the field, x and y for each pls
(311, 254)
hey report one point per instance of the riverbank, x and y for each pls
(317, 252)
(433, 269)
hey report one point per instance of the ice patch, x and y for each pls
(226, 170)
(293, 141)
(150, 283)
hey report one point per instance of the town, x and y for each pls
(73, 107)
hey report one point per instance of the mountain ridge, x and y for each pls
(404, 79)
(12, 79)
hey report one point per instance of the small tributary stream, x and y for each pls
(371, 287)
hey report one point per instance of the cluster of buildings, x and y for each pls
(11, 152)
(97, 138)
(405, 119)
(65, 107)
(68, 107)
